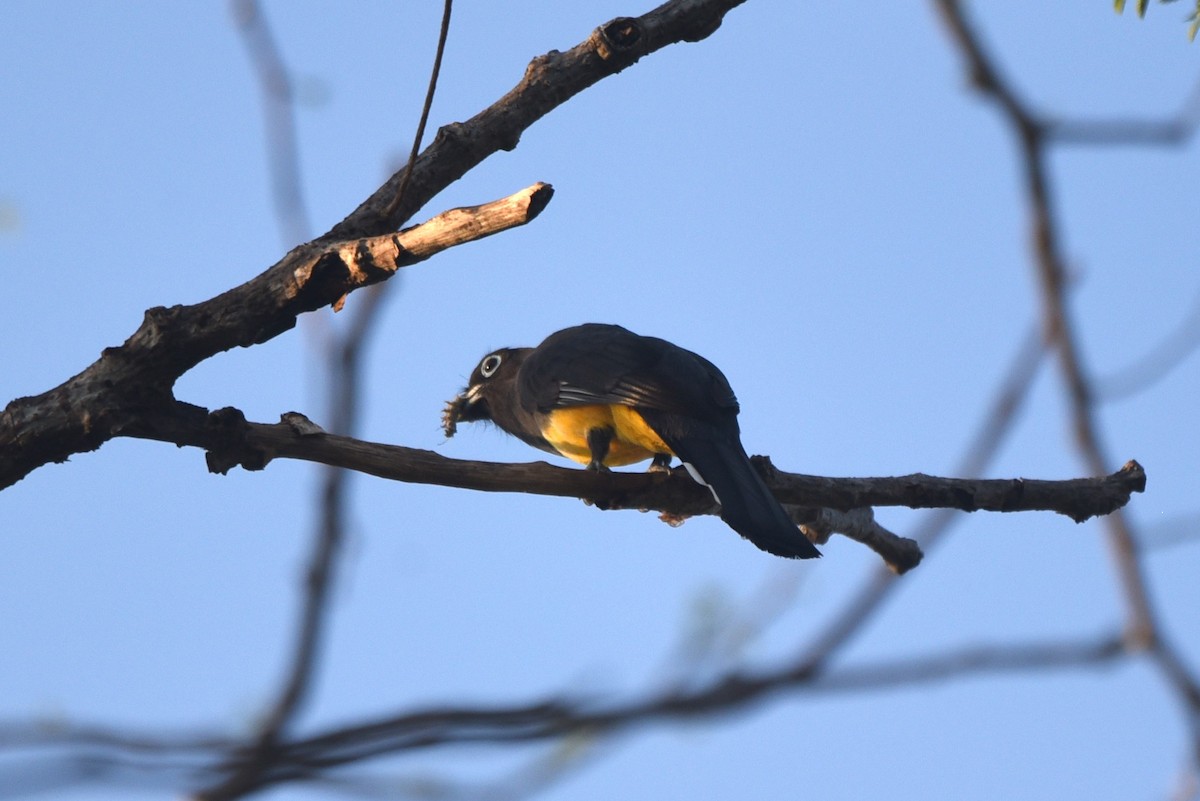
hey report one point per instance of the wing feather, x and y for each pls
(598, 363)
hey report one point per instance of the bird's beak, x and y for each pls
(466, 405)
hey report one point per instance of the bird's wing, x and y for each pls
(597, 363)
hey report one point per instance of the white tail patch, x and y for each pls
(699, 479)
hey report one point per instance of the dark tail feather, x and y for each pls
(747, 506)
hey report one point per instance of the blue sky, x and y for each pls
(811, 198)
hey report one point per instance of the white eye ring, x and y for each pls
(490, 364)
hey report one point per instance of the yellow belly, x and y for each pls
(633, 440)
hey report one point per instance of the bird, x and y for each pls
(604, 396)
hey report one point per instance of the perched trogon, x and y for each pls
(603, 395)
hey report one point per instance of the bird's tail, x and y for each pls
(747, 505)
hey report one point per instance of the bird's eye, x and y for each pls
(490, 365)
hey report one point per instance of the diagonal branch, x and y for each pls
(109, 397)
(95, 405)
(550, 80)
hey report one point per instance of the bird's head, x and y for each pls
(493, 378)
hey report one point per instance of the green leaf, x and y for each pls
(1193, 18)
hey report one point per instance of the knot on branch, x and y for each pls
(1133, 475)
(332, 273)
(766, 468)
(157, 325)
(454, 138)
(620, 42)
(226, 441)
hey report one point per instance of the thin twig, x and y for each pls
(433, 78)
(1175, 131)
(1152, 367)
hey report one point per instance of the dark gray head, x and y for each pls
(492, 395)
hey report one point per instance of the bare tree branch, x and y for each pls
(1144, 629)
(98, 403)
(557, 717)
(362, 250)
(900, 554)
(231, 440)
(291, 211)
(108, 398)
(1153, 366)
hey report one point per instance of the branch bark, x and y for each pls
(106, 398)
(133, 381)
(231, 441)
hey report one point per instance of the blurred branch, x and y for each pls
(735, 690)
(560, 760)
(997, 423)
(279, 98)
(1175, 131)
(556, 718)
(1181, 529)
(1144, 629)
(292, 214)
(1155, 365)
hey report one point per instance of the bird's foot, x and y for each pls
(661, 463)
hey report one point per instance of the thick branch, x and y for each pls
(550, 80)
(96, 405)
(130, 381)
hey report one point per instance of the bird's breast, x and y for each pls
(633, 440)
